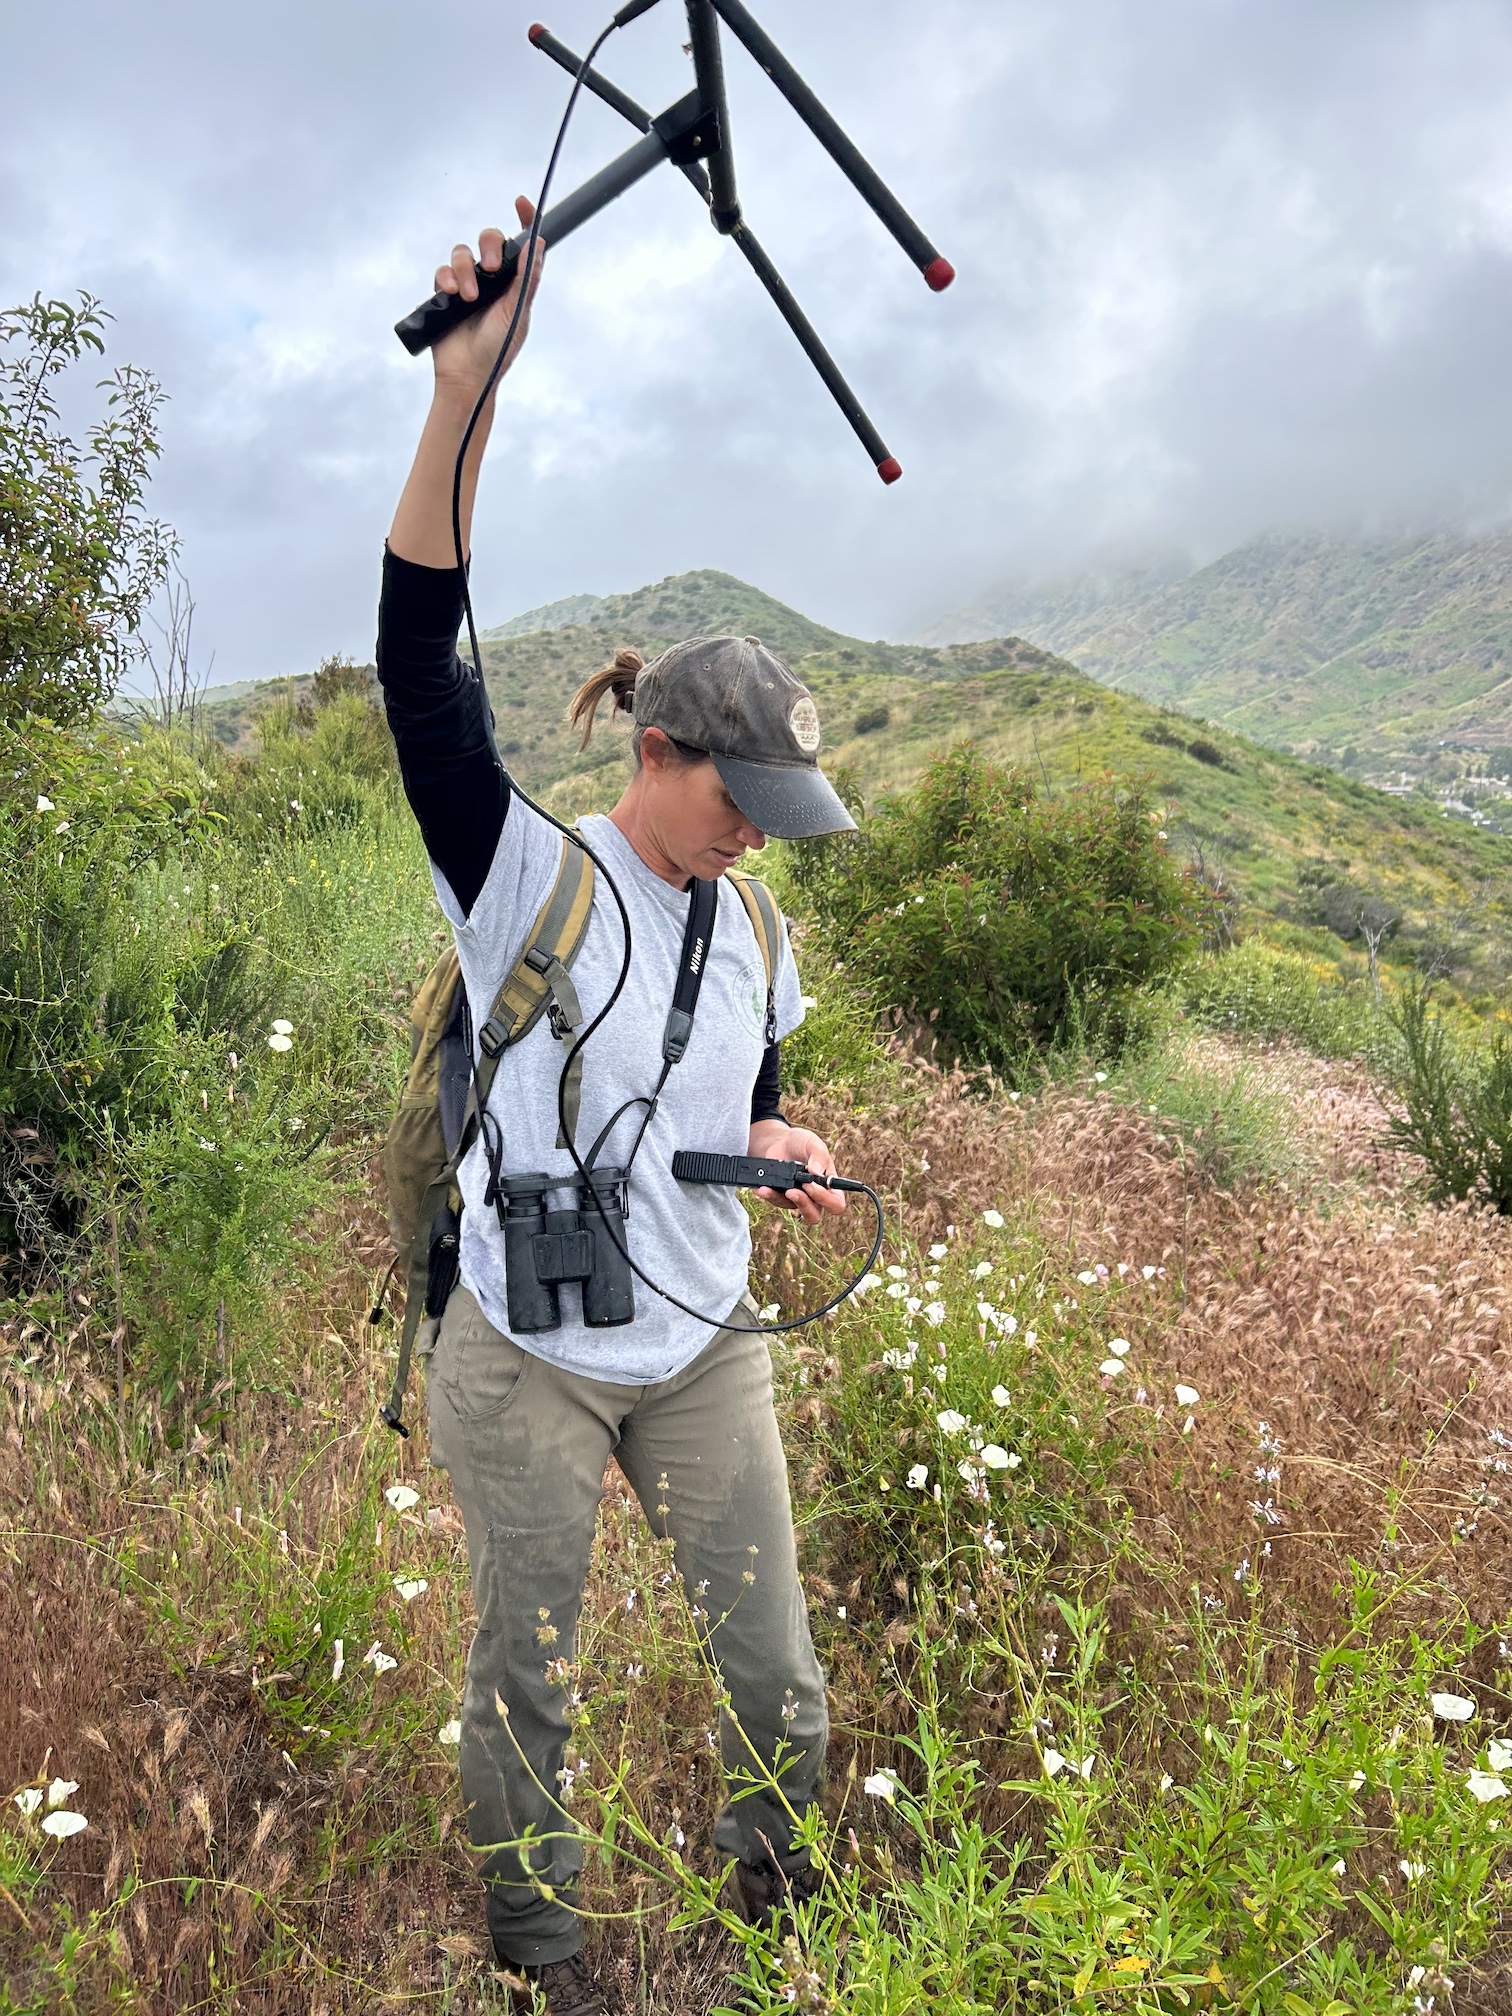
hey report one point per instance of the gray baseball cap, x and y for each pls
(733, 698)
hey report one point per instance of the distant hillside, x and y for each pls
(1364, 653)
(1298, 842)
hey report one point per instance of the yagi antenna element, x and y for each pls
(694, 135)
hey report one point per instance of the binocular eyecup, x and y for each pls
(545, 1249)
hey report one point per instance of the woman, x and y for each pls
(725, 748)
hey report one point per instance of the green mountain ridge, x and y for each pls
(1368, 653)
(682, 605)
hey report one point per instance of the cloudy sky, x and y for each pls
(1224, 265)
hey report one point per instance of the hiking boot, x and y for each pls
(762, 1895)
(564, 1987)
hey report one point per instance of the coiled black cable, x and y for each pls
(525, 271)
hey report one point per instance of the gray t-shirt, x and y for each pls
(692, 1238)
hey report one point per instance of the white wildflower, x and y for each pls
(282, 1028)
(378, 1659)
(1101, 1077)
(913, 1304)
(934, 1312)
(1412, 1870)
(60, 1825)
(1451, 1707)
(807, 1001)
(1148, 1273)
(994, 1457)
(917, 1477)
(450, 1733)
(1001, 1397)
(950, 1423)
(982, 1269)
(867, 1281)
(1485, 1785)
(280, 1043)
(1087, 1278)
(1499, 1754)
(994, 1219)
(769, 1312)
(1119, 1346)
(402, 1497)
(338, 1664)
(61, 1789)
(897, 1290)
(1187, 1396)
(1338, 1867)
(938, 1251)
(1111, 1367)
(1166, 1781)
(1356, 1781)
(29, 1800)
(410, 1588)
(897, 1273)
(882, 1785)
(1054, 1763)
(45, 804)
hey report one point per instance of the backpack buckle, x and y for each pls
(492, 1037)
(560, 1027)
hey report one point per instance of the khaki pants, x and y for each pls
(526, 1446)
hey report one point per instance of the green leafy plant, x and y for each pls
(1001, 916)
(79, 558)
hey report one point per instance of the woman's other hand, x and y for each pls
(775, 1141)
(464, 358)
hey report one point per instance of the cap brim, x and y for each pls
(791, 801)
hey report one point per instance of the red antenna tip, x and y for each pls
(890, 470)
(938, 273)
(537, 30)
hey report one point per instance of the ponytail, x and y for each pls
(616, 679)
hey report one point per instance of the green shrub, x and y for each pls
(1456, 1107)
(1001, 916)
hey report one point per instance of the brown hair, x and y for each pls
(617, 678)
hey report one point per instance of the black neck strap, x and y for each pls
(703, 903)
(698, 935)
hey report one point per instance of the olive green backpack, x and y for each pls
(437, 1119)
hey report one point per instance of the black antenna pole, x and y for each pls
(836, 142)
(708, 68)
(886, 465)
(694, 134)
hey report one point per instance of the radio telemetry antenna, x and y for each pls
(694, 135)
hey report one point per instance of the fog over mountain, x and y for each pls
(1223, 268)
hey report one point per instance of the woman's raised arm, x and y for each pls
(422, 528)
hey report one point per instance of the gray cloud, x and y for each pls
(1222, 266)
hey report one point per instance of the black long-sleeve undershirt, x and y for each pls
(443, 731)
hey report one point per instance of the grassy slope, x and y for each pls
(1390, 646)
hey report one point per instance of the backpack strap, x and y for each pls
(538, 983)
(766, 922)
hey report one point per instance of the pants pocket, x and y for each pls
(480, 1369)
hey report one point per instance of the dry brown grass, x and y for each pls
(1372, 1335)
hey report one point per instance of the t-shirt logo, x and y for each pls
(804, 722)
(749, 996)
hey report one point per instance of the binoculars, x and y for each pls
(543, 1249)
